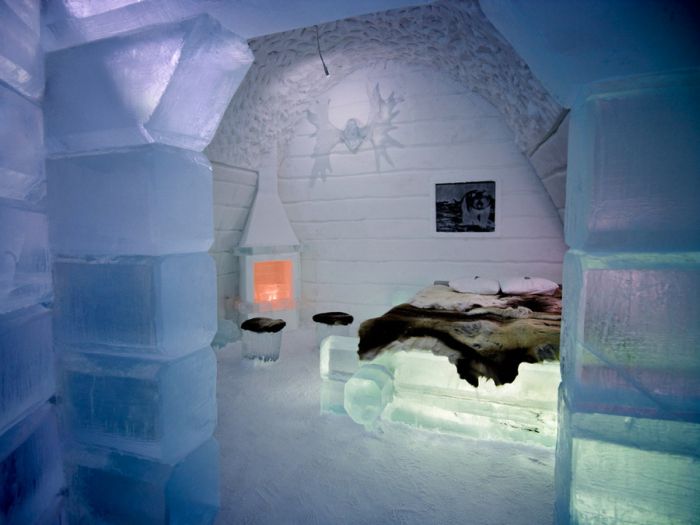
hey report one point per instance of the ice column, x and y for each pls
(629, 407)
(31, 477)
(130, 203)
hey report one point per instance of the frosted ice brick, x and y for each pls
(332, 396)
(137, 305)
(31, 475)
(69, 23)
(113, 487)
(25, 264)
(339, 359)
(168, 84)
(26, 361)
(21, 149)
(634, 156)
(21, 57)
(150, 407)
(631, 333)
(149, 200)
(369, 391)
(613, 469)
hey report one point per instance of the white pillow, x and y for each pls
(528, 285)
(476, 284)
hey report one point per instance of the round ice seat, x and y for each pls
(262, 338)
(331, 323)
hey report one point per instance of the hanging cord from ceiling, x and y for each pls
(318, 46)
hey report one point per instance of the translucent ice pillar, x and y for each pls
(629, 408)
(130, 202)
(31, 478)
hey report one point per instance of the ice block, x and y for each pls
(21, 57)
(634, 156)
(113, 487)
(21, 149)
(26, 362)
(70, 23)
(25, 264)
(338, 362)
(168, 84)
(31, 474)
(429, 393)
(135, 305)
(631, 333)
(148, 200)
(149, 407)
(339, 359)
(621, 469)
(369, 391)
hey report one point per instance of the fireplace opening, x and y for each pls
(272, 282)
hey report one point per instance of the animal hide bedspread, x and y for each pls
(483, 336)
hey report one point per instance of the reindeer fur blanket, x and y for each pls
(482, 335)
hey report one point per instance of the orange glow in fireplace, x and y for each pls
(272, 281)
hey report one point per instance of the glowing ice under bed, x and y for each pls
(424, 390)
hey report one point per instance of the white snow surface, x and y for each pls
(283, 462)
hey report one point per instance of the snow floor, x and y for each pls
(283, 462)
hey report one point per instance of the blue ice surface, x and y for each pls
(154, 408)
(26, 362)
(612, 467)
(25, 261)
(633, 352)
(108, 486)
(620, 196)
(147, 200)
(135, 305)
(22, 152)
(169, 84)
(31, 474)
(21, 56)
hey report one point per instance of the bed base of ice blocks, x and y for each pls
(634, 350)
(146, 200)
(21, 154)
(424, 390)
(150, 407)
(21, 56)
(26, 362)
(112, 487)
(264, 346)
(31, 475)
(25, 263)
(135, 305)
(129, 90)
(617, 130)
(613, 468)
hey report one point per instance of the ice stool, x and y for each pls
(262, 338)
(331, 323)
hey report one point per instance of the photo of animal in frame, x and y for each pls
(465, 207)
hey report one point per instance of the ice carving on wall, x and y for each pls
(379, 123)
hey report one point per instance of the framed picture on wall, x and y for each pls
(468, 207)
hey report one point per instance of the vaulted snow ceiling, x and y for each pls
(452, 36)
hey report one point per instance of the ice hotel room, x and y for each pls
(371, 263)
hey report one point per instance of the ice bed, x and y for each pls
(484, 366)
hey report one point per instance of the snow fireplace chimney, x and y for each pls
(269, 255)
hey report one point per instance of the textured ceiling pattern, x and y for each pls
(451, 36)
